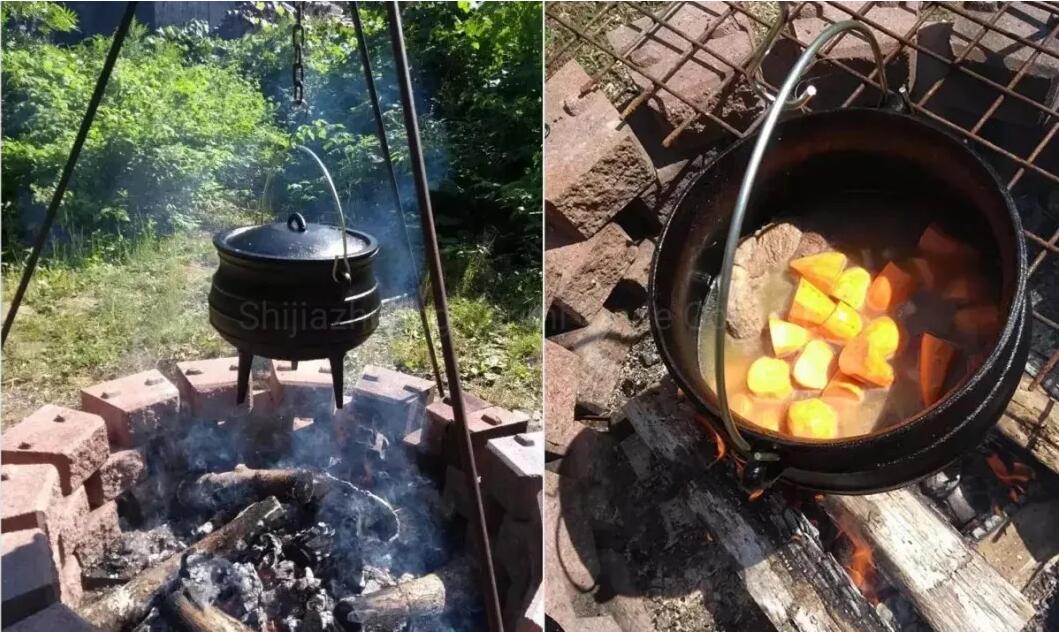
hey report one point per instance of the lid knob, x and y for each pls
(296, 222)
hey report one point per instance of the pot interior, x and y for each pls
(868, 181)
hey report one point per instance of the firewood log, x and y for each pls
(426, 595)
(190, 614)
(124, 606)
(217, 492)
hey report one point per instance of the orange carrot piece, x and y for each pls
(852, 286)
(891, 288)
(966, 289)
(741, 404)
(822, 269)
(844, 323)
(883, 336)
(935, 356)
(926, 273)
(786, 337)
(813, 368)
(843, 387)
(981, 322)
(860, 360)
(810, 305)
(812, 418)
(937, 243)
(769, 377)
(768, 413)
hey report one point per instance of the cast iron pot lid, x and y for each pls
(295, 240)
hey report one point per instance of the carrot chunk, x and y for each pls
(937, 243)
(741, 404)
(891, 288)
(822, 269)
(844, 323)
(852, 286)
(860, 360)
(813, 368)
(926, 273)
(935, 356)
(843, 387)
(768, 413)
(966, 289)
(812, 418)
(981, 322)
(787, 337)
(810, 305)
(883, 336)
(769, 377)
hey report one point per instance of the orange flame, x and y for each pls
(756, 494)
(1014, 477)
(718, 440)
(861, 563)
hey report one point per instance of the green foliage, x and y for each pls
(30, 20)
(171, 140)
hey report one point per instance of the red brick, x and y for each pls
(601, 346)
(511, 469)
(30, 581)
(517, 555)
(74, 442)
(571, 564)
(440, 415)
(456, 498)
(484, 425)
(57, 617)
(70, 588)
(28, 493)
(135, 408)
(306, 390)
(595, 165)
(100, 530)
(391, 400)
(69, 520)
(590, 278)
(121, 471)
(208, 387)
(562, 372)
(556, 262)
(637, 273)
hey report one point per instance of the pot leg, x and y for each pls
(336, 377)
(246, 359)
(294, 365)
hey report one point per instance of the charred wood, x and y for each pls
(951, 585)
(126, 605)
(218, 492)
(190, 614)
(427, 595)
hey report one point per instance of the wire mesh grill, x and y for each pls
(578, 30)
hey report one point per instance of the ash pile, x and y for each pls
(284, 513)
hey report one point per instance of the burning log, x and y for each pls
(194, 615)
(951, 585)
(427, 595)
(222, 491)
(126, 605)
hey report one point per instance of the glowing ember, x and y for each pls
(755, 495)
(861, 567)
(1015, 477)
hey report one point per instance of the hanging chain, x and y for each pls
(298, 69)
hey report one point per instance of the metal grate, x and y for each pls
(577, 30)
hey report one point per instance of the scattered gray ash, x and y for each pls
(1044, 593)
(289, 579)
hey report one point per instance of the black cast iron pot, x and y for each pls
(294, 291)
(864, 161)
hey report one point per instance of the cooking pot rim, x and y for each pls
(886, 117)
(358, 256)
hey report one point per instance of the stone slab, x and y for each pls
(30, 581)
(208, 388)
(135, 408)
(73, 441)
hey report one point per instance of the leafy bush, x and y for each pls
(172, 140)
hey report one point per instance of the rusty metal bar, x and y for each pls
(1034, 154)
(670, 11)
(962, 56)
(558, 54)
(586, 38)
(441, 307)
(954, 7)
(1041, 256)
(920, 19)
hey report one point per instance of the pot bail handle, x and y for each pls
(779, 103)
(296, 221)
